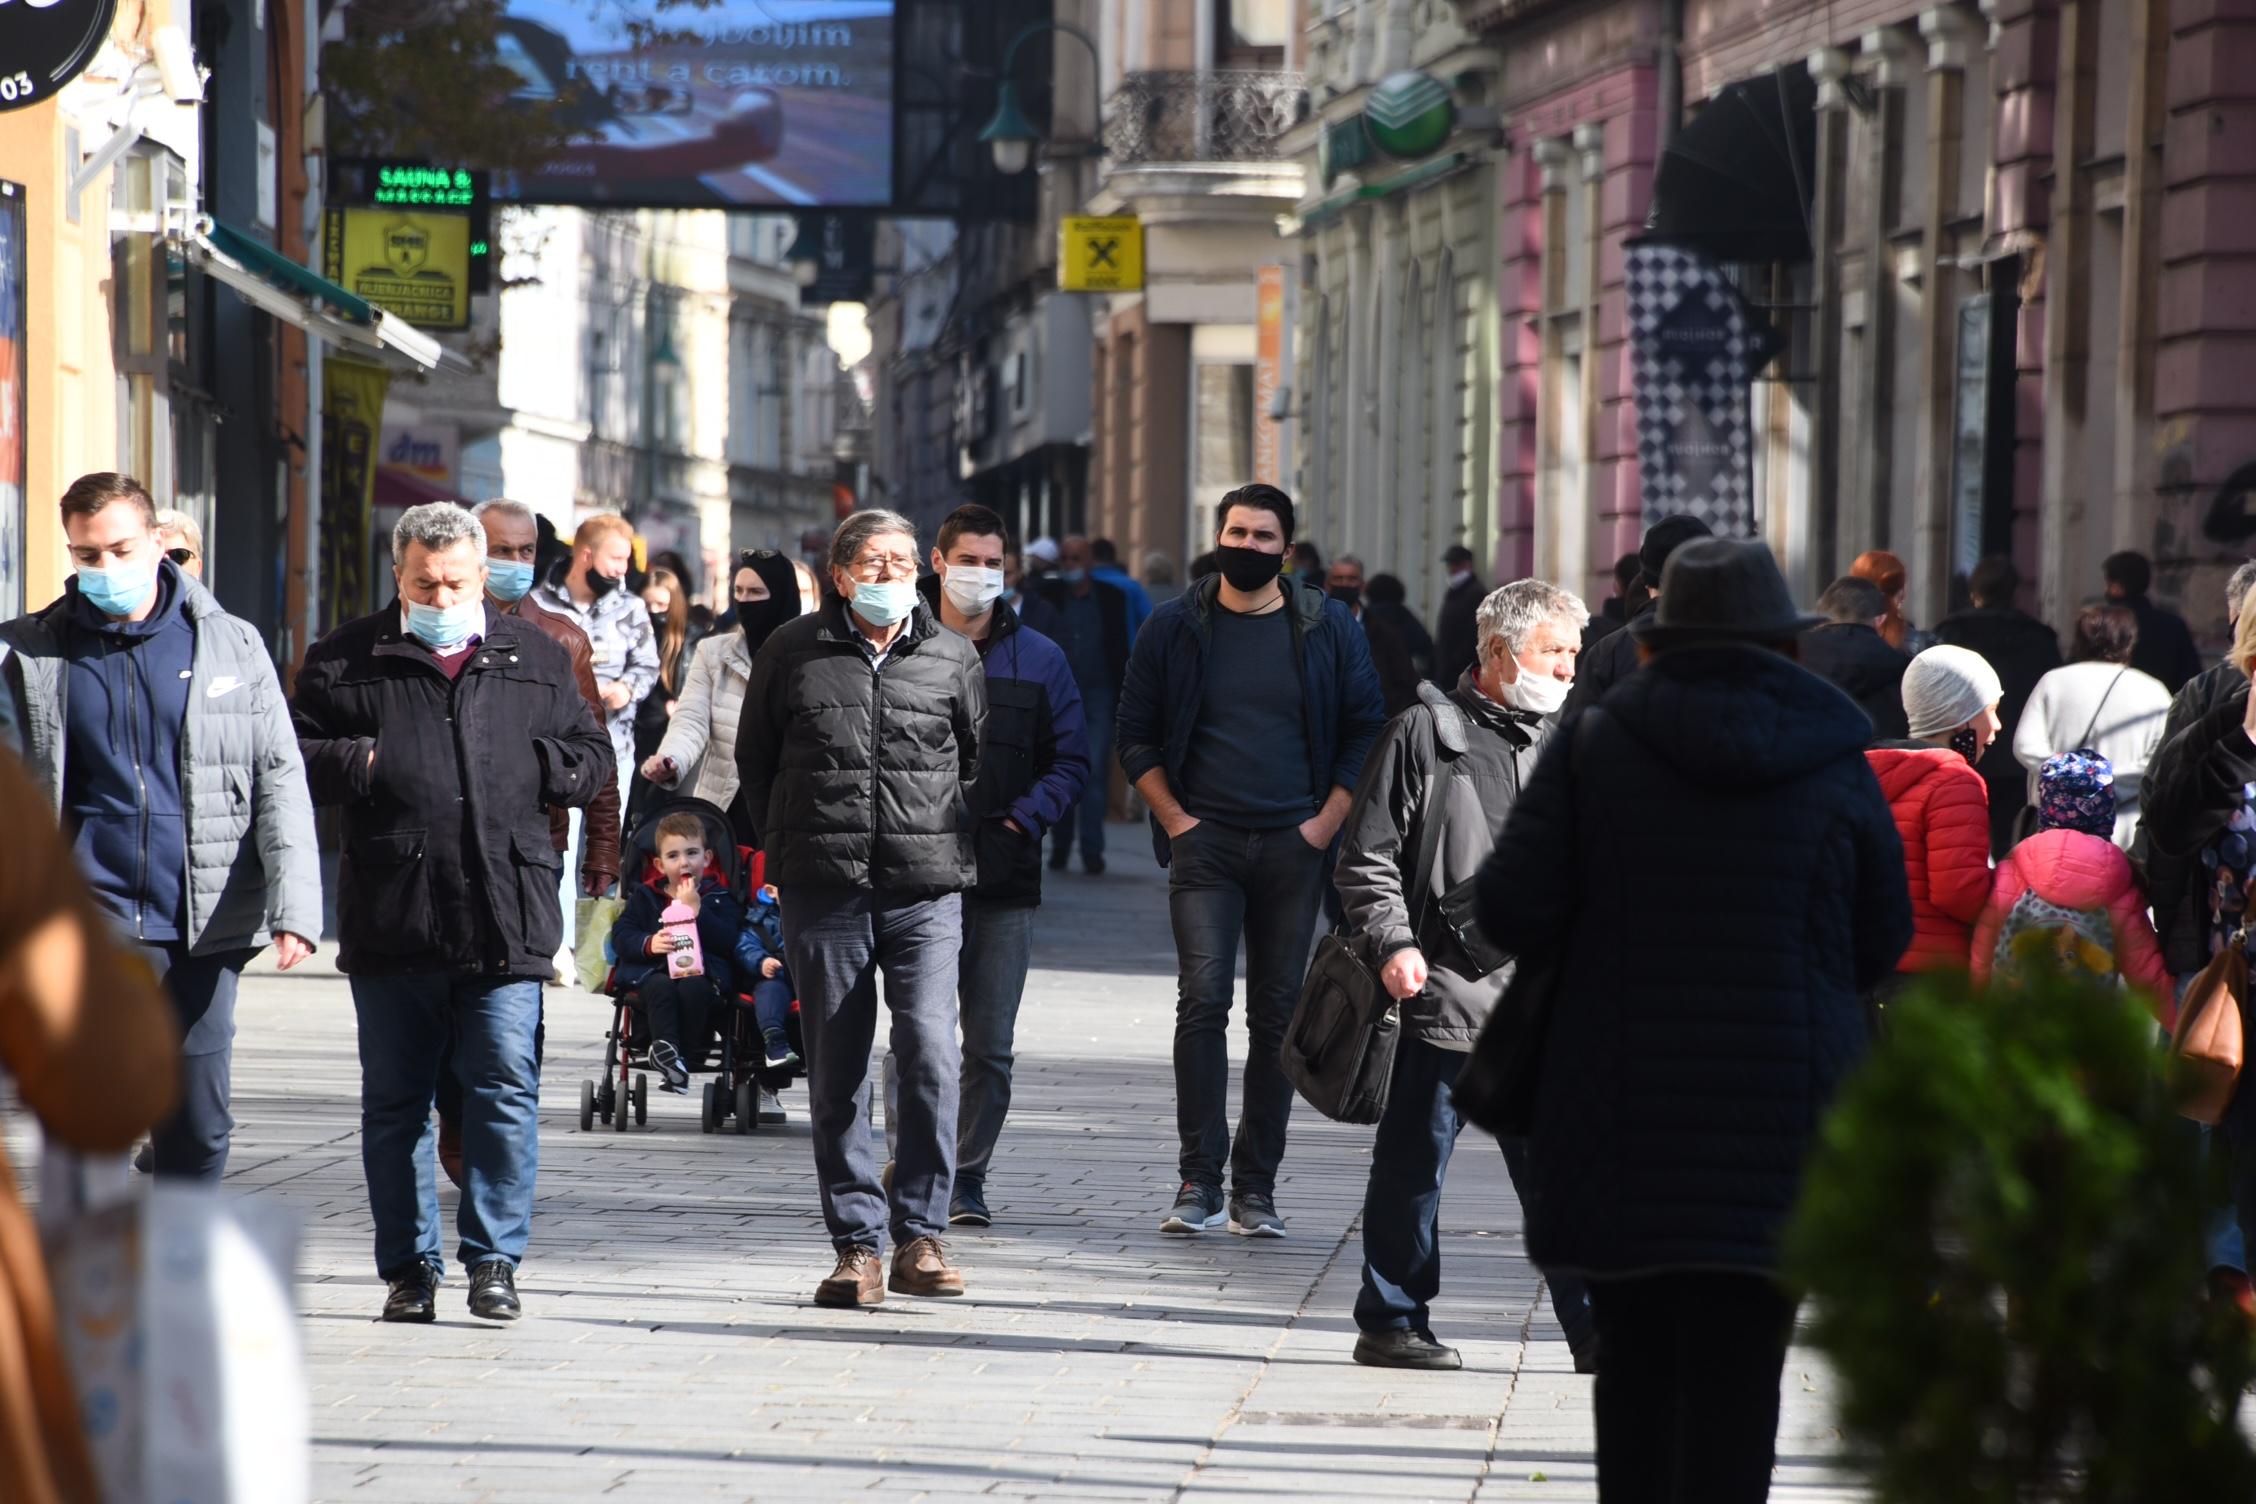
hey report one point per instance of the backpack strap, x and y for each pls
(1448, 719)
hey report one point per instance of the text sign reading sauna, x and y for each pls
(415, 263)
(44, 44)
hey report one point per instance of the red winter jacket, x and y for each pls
(1942, 810)
(2072, 870)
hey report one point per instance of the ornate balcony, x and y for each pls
(1164, 119)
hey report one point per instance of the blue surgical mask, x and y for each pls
(1073, 576)
(445, 628)
(881, 603)
(508, 580)
(120, 589)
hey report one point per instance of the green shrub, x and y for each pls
(2003, 1233)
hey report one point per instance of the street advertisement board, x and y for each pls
(412, 262)
(1268, 374)
(1098, 253)
(352, 420)
(708, 103)
(15, 377)
(44, 44)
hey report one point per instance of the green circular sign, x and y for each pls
(1410, 113)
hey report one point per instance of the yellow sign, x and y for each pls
(412, 262)
(1101, 255)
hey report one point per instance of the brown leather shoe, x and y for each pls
(921, 1267)
(859, 1280)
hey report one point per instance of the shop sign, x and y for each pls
(1099, 254)
(1268, 375)
(411, 262)
(1410, 113)
(430, 452)
(44, 44)
(352, 418)
(1346, 145)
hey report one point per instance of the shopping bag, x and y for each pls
(592, 919)
(177, 1316)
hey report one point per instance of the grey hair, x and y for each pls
(507, 508)
(436, 525)
(859, 528)
(2236, 589)
(1339, 559)
(1513, 612)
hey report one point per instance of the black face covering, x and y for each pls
(760, 618)
(1346, 595)
(1247, 569)
(601, 584)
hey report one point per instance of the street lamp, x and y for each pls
(1008, 133)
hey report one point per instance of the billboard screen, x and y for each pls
(685, 104)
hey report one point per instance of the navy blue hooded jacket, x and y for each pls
(734, 947)
(1342, 708)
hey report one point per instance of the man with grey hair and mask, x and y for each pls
(859, 753)
(445, 729)
(1434, 795)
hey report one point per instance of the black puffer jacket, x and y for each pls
(858, 776)
(1707, 863)
(448, 864)
(1857, 661)
(2176, 884)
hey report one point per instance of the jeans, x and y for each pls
(192, 1143)
(1096, 796)
(998, 944)
(1224, 881)
(1687, 1396)
(771, 1001)
(682, 1011)
(405, 1025)
(1402, 1203)
(839, 941)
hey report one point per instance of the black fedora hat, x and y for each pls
(1723, 590)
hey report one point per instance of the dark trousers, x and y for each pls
(1687, 1397)
(1226, 882)
(192, 1143)
(1087, 817)
(681, 1012)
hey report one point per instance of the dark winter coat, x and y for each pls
(1340, 705)
(1609, 661)
(599, 844)
(1385, 826)
(1457, 630)
(1405, 625)
(1112, 608)
(1712, 874)
(2165, 644)
(2022, 650)
(1034, 758)
(859, 775)
(2175, 884)
(1857, 660)
(733, 948)
(448, 864)
(1390, 657)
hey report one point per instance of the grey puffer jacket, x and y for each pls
(1495, 751)
(254, 865)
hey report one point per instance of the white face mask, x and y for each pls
(1537, 694)
(971, 589)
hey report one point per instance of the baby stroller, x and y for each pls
(740, 1072)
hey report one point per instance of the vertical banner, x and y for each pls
(1694, 351)
(1268, 376)
(352, 419)
(15, 380)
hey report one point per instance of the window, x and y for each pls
(1252, 34)
(1225, 426)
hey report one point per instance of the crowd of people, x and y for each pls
(1804, 811)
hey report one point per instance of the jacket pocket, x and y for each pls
(385, 893)
(1010, 864)
(540, 907)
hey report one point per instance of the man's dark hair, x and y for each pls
(1994, 582)
(1852, 599)
(1385, 590)
(1626, 570)
(972, 518)
(2129, 570)
(2104, 634)
(1263, 497)
(1456, 554)
(90, 493)
(1103, 552)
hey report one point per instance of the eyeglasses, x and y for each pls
(871, 568)
(181, 556)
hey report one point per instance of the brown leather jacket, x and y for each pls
(601, 858)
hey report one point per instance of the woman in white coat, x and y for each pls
(698, 754)
(2098, 700)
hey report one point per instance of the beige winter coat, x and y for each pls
(701, 738)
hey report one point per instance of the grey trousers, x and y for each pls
(840, 941)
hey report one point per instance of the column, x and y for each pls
(1888, 56)
(2067, 316)
(1951, 34)
(1830, 67)
(1554, 160)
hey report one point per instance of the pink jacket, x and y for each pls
(2073, 870)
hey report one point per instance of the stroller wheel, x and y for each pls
(622, 1109)
(642, 1100)
(709, 1119)
(587, 1106)
(747, 1106)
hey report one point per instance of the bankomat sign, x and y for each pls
(44, 44)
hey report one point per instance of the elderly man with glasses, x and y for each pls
(859, 747)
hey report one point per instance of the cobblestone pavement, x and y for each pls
(669, 1351)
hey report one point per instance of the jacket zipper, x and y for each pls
(877, 748)
(141, 790)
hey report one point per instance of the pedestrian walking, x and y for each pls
(1094, 622)
(1614, 614)
(1849, 653)
(1704, 1004)
(2164, 649)
(859, 755)
(677, 640)
(1940, 803)
(2097, 701)
(1249, 707)
(1455, 763)
(157, 726)
(1390, 651)
(1456, 633)
(182, 540)
(445, 728)
(1105, 565)
(1160, 581)
(1385, 599)
(1613, 659)
(699, 748)
(589, 590)
(2022, 650)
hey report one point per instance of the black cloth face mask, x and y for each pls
(1247, 569)
(1347, 595)
(601, 584)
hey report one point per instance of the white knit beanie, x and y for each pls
(1947, 687)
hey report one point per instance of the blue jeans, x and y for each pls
(771, 1001)
(405, 1026)
(1096, 796)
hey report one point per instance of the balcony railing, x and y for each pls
(1215, 116)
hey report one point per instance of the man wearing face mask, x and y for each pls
(588, 590)
(859, 750)
(156, 723)
(1094, 621)
(1249, 705)
(445, 728)
(1390, 651)
(1458, 759)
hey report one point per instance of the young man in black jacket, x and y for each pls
(1849, 652)
(446, 729)
(2023, 650)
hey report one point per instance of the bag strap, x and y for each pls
(2098, 711)
(1448, 744)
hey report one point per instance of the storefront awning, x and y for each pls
(1736, 180)
(273, 283)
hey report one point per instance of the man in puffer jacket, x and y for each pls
(1941, 803)
(859, 751)
(156, 723)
